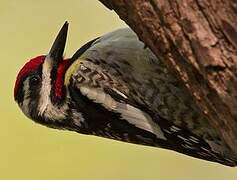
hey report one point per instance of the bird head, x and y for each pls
(40, 83)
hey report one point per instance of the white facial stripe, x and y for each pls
(133, 115)
(46, 86)
(45, 106)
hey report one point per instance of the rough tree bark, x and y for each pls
(197, 40)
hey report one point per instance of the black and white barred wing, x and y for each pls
(111, 97)
(111, 112)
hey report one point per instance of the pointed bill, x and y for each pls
(57, 49)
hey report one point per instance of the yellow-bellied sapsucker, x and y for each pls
(114, 87)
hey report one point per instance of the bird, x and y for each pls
(115, 87)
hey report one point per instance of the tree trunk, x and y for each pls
(197, 40)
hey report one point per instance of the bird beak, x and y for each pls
(57, 49)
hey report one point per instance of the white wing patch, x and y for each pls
(140, 119)
(99, 96)
(130, 113)
(121, 94)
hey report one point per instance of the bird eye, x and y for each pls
(34, 80)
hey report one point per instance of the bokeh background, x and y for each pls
(31, 151)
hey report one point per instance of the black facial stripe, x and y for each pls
(35, 94)
(53, 73)
(33, 91)
(21, 92)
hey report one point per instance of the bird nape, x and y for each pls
(113, 87)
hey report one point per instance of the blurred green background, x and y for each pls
(31, 151)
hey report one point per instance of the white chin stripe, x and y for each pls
(45, 106)
(132, 114)
(46, 86)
